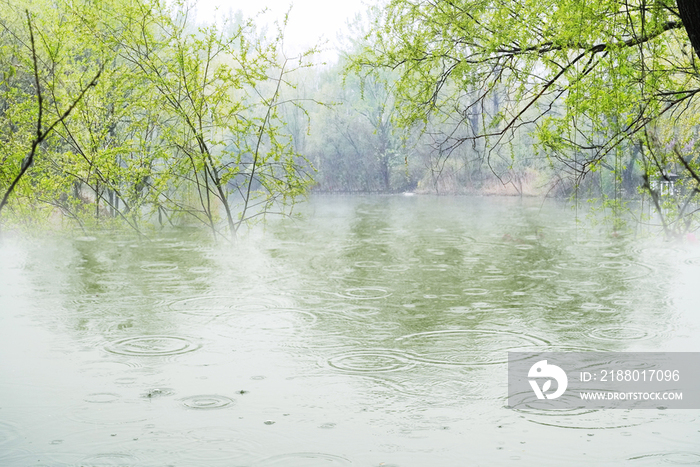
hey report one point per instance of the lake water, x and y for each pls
(372, 332)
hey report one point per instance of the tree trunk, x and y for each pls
(690, 14)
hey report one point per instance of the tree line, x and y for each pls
(128, 111)
(606, 90)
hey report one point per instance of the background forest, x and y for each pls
(132, 112)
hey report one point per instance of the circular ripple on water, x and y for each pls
(495, 278)
(205, 304)
(468, 347)
(554, 411)
(540, 274)
(200, 270)
(396, 268)
(207, 402)
(597, 307)
(578, 266)
(102, 397)
(450, 296)
(266, 323)
(366, 293)
(303, 459)
(152, 346)
(111, 459)
(632, 270)
(577, 417)
(159, 266)
(596, 420)
(125, 381)
(622, 302)
(617, 333)
(351, 311)
(435, 267)
(615, 264)
(109, 414)
(371, 361)
(475, 291)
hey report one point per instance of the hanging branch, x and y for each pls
(41, 134)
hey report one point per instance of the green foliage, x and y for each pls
(185, 121)
(587, 79)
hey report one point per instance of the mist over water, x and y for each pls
(374, 331)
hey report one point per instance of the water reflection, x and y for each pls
(375, 332)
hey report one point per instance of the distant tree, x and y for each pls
(590, 80)
(358, 145)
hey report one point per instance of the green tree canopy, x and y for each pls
(184, 122)
(592, 80)
(586, 75)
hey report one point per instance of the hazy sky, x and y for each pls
(309, 20)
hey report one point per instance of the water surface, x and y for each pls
(372, 332)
